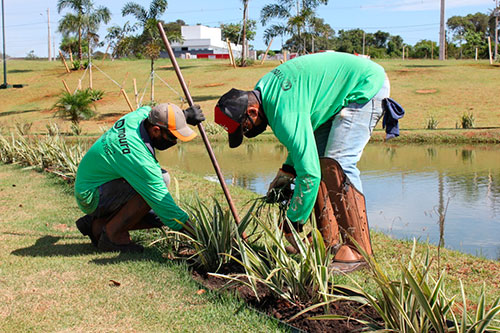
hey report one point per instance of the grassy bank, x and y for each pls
(52, 279)
(53, 273)
(426, 88)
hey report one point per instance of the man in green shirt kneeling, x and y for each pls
(120, 185)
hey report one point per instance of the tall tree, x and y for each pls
(148, 20)
(232, 31)
(85, 20)
(297, 15)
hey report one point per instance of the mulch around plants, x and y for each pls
(283, 310)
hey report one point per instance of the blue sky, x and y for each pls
(26, 20)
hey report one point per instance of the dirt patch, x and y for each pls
(426, 91)
(209, 85)
(283, 310)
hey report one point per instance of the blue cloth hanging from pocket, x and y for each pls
(392, 113)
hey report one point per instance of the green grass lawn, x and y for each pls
(52, 279)
(443, 90)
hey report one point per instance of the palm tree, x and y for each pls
(294, 25)
(148, 19)
(86, 20)
(75, 107)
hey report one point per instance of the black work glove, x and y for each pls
(194, 115)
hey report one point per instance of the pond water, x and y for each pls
(409, 188)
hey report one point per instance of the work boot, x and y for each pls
(337, 267)
(105, 244)
(84, 225)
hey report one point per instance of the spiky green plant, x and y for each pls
(75, 107)
(467, 120)
(49, 153)
(432, 123)
(212, 234)
(299, 279)
(95, 94)
(417, 302)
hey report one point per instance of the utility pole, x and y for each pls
(48, 28)
(496, 13)
(442, 38)
(363, 42)
(4, 85)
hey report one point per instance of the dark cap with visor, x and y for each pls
(230, 112)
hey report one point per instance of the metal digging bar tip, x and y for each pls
(200, 126)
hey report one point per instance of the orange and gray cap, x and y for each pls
(171, 117)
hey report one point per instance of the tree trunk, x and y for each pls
(244, 38)
(80, 53)
(152, 81)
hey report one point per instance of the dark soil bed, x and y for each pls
(284, 310)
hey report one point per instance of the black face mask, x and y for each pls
(162, 144)
(256, 129)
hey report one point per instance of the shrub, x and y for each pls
(50, 153)
(432, 123)
(213, 234)
(95, 94)
(416, 302)
(76, 129)
(24, 128)
(300, 279)
(75, 107)
(467, 120)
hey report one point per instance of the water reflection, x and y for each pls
(447, 194)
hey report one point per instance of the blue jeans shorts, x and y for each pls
(344, 137)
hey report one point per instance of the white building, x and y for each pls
(204, 41)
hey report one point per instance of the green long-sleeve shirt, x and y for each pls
(300, 95)
(122, 153)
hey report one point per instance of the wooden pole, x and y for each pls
(403, 52)
(200, 127)
(127, 100)
(476, 54)
(64, 62)
(135, 93)
(66, 87)
(284, 56)
(79, 86)
(489, 49)
(124, 80)
(267, 50)
(70, 55)
(231, 55)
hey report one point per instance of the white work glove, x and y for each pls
(280, 188)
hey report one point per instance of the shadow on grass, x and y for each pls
(8, 113)
(205, 98)
(423, 66)
(46, 247)
(19, 71)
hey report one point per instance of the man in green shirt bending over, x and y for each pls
(322, 108)
(120, 184)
